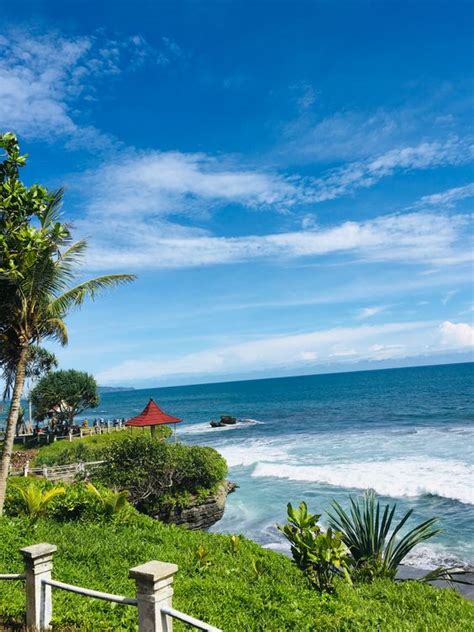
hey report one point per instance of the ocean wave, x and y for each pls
(431, 556)
(245, 454)
(396, 477)
(206, 427)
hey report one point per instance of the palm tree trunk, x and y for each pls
(11, 423)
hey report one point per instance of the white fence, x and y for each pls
(58, 472)
(154, 592)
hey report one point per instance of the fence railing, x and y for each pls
(57, 472)
(154, 592)
(45, 438)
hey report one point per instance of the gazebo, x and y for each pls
(152, 416)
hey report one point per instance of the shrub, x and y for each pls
(365, 530)
(322, 556)
(91, 448)
(155, 473)
(76, 502)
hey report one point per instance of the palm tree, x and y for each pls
(37, 265)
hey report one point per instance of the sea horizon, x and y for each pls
(120, 387)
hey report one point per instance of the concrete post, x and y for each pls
(38, 566)
(154, 582)
(26, 469)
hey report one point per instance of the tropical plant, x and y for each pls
(40, 361)
(322, 556)
(35, 500)
(112, 502)
(203, 559)
(63, 394)
(365, 529)
(38, 262)
(235, 544)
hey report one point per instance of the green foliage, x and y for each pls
(366, 529)
(203, 559)
(66, 392)
(156, 473)
(112, 502)
(39, 362)
(235, 544)
(75, 502)
(91, 448)
(229, 594)
(322, 556)
(34, 501)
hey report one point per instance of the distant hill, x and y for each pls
(114, 389)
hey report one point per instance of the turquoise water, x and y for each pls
(407, 433)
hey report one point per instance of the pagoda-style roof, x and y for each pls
(152, 415)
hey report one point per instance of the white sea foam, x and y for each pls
(395, 477)
(431, 556)
(261, 452)
(206, 427)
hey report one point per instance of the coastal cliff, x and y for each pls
(202, 513)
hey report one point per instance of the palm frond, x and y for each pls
(52, 212)
(75, 296)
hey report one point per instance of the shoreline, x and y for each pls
(413, 572)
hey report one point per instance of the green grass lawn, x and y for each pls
(229, 593)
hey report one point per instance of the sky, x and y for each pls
(291, 182)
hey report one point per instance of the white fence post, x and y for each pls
(38, 566)
(154, 582)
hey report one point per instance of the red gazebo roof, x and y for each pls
(152, 415)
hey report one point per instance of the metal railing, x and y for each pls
(154, 592)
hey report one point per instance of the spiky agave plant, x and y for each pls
(373, 538)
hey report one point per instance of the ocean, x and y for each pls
(406, 433)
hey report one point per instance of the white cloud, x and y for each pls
(448, 296)
(411, 238)
(308, 356)
(366, 173)
(43, 75)
(348, 344)
(347, 135)
(165, 183)
(457, 335)
(368, 312)
(448, 198)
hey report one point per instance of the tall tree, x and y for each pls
(38, 262)
(63, 395)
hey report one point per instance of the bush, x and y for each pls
(75, 503)
(323, 557)
(250, 589)
(156, 473)
(90, 448)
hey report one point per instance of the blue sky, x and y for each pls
(291, 181)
